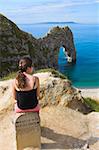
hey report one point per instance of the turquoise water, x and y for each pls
(85, 73)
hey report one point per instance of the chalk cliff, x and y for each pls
(62, 127)
(15, 43)
(53, 91)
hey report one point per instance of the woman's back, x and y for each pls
(26, 86)
(27, 98)
(30, 81)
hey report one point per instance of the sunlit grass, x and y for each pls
(53, 71)
(11, 75)
(92, 104)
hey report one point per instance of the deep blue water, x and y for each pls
(85, 73)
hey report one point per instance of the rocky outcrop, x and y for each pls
(62, 127)
(15, 43)
(54, 91)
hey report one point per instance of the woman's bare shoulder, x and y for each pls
(14, 82)
(36, 77)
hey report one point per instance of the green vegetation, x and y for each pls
(92, 104)
(19, 34)
(45, 52)
(31, 50)
(5, 66)
(53, 71)
(55, 29)
(9, 76)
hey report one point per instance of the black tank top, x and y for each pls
(27, 99)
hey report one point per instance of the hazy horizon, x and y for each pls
(37, 11)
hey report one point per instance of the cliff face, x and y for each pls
(62, 127)
(54, 91)
(15, 43)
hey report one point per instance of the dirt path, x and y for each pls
(61, 129)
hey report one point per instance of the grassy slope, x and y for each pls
(88, 101)
(92, 104)
(53, 71)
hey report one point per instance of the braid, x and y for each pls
(24, 63)
(21, 78)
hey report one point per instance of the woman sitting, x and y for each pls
(26, 88)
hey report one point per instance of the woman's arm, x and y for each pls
(13, 91)
(38, 87)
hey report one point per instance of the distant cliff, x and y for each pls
(69, 22)
(15, 43)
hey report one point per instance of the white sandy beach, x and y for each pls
(92, 93)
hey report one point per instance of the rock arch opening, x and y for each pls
(64, 55)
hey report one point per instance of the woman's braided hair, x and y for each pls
(24, 63)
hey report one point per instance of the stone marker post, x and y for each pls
(28, 132)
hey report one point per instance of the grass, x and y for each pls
(88, 101)
(92, 104)
(53, 71)
(9, 76)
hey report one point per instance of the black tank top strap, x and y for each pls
(27, 99)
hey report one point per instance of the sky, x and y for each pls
(34, 11)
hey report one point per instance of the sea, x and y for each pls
(85, 73)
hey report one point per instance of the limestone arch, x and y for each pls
(44, 51)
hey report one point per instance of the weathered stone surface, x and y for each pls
(62, 127)
(54, 91)
(15, 43)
